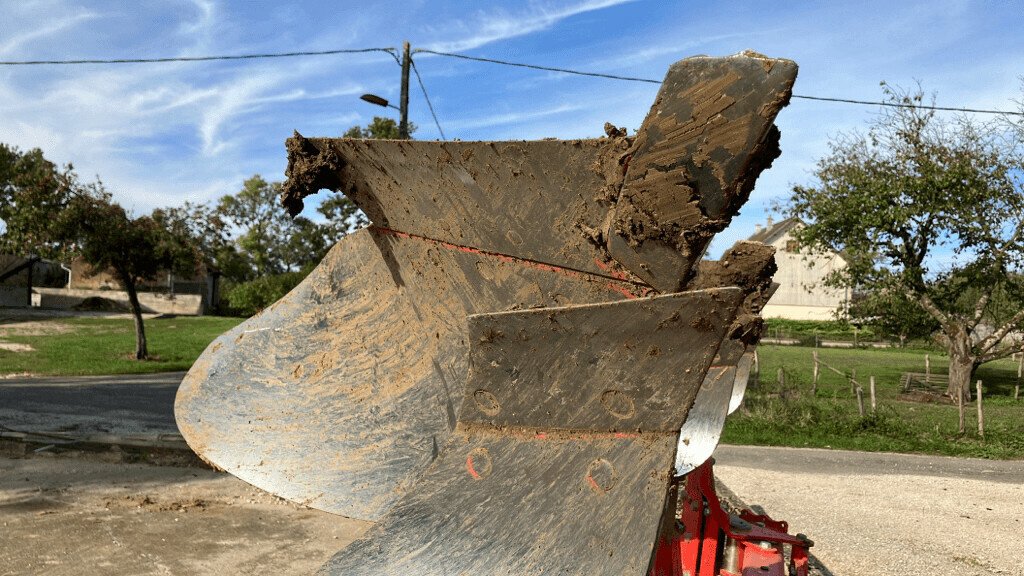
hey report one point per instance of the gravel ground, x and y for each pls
(882, 520)
(79, 516)
(96, 514)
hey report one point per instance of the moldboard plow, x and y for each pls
(522, 366)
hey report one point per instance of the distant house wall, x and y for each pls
(84, 277)
(152, 302)
(802, 294)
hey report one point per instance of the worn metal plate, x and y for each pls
(739, 387)
(338, 395)
(699, 435)
(557, 479)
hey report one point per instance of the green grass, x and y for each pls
(831, 419)
(95, 346)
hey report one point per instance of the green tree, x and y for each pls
(342, 217)
(379, 128)
(932, 209)
(32, 191)
(261, 223)
(893, 315)
(105, 236)
(207, 231)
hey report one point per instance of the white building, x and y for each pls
(802, 294)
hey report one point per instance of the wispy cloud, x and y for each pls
(499, 25)
(204, 22)
(49, 29)
(509, 118)
(676, 48)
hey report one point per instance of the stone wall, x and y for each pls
(156, 303)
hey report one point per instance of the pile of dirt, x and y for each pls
(100, 304)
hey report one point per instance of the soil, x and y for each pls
(92, 514)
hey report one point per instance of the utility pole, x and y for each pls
(403, 125)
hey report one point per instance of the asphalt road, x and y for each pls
(845, 463)
(129, 405)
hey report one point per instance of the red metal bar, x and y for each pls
(707, 541)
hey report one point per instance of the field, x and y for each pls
(66, 346)
(789, 415)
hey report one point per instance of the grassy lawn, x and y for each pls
(90, 345)
(831, 418)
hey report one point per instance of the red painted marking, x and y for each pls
(628, 288)
(541, 436)
(593, 484)
(469, 467)
(624, 291)
(611, 271)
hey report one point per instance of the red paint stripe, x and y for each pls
(615, 281)
(469, 467)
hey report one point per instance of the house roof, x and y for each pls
(769, 232)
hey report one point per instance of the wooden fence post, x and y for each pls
(872, 394)
(814, 381)
(1020, 370)
(853, 381)
(860, 401)
(757, 365)
(960, 409)
(981, 415)
(927, 369)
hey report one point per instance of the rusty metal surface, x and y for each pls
(563, 465)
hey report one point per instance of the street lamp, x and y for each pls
(403, 124)
(374, 99)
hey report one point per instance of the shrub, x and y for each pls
(248, 298)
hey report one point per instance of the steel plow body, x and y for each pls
(497, 370)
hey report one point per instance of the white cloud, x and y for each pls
(487, 28)
(508, 118)
(15, 43)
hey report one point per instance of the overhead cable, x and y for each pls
(394, 54)
(651, 81)
(427, 98)
(391, 51)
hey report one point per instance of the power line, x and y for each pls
(394, 54)
(651, 81)
(197, 58)
(535, 66)
(901, 105)
(427, 98)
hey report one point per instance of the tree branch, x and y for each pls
(929, 307)
(997, 354)
(979, 308)
(988, 343)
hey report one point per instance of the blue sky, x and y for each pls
(160, 134)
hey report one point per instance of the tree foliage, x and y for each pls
(379, 128)
(927, 210)
(32, 190)
(100, 232)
